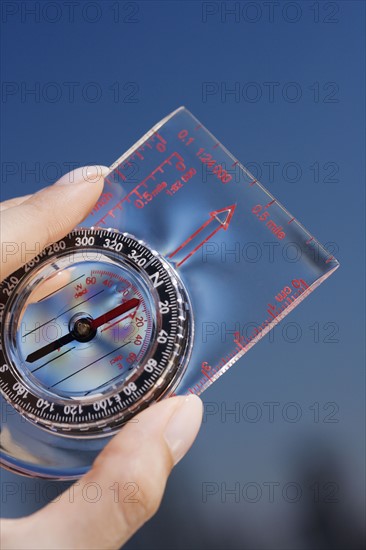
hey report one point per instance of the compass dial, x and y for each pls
(93, 329)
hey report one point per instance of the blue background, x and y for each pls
(159, 55)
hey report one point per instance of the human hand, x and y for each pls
(143, 453)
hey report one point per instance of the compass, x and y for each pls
(100, 325)
(94, 329)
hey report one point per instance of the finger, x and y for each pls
(13, 202)
(125, 485)
(47, 216)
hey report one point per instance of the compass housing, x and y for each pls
(88, 382)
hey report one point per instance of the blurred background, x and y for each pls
(280, 459)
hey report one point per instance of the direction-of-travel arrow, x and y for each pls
(222, 217)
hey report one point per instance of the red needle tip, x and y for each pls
(115, 312)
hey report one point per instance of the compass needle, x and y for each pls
(83, 329)
(115, 312)
(49, 348)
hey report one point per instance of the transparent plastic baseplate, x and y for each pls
(245, 260)
(194, 262)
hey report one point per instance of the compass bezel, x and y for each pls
(160, 371)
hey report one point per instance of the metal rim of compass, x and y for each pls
(158, 384)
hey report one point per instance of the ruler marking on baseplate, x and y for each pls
(160, 169)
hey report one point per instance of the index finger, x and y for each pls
(46, 216)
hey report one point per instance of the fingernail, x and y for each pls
(85, 174)
(183, 427)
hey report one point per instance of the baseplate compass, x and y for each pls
(185, 262)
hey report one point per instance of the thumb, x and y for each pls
(47, 216)
(125, 485)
